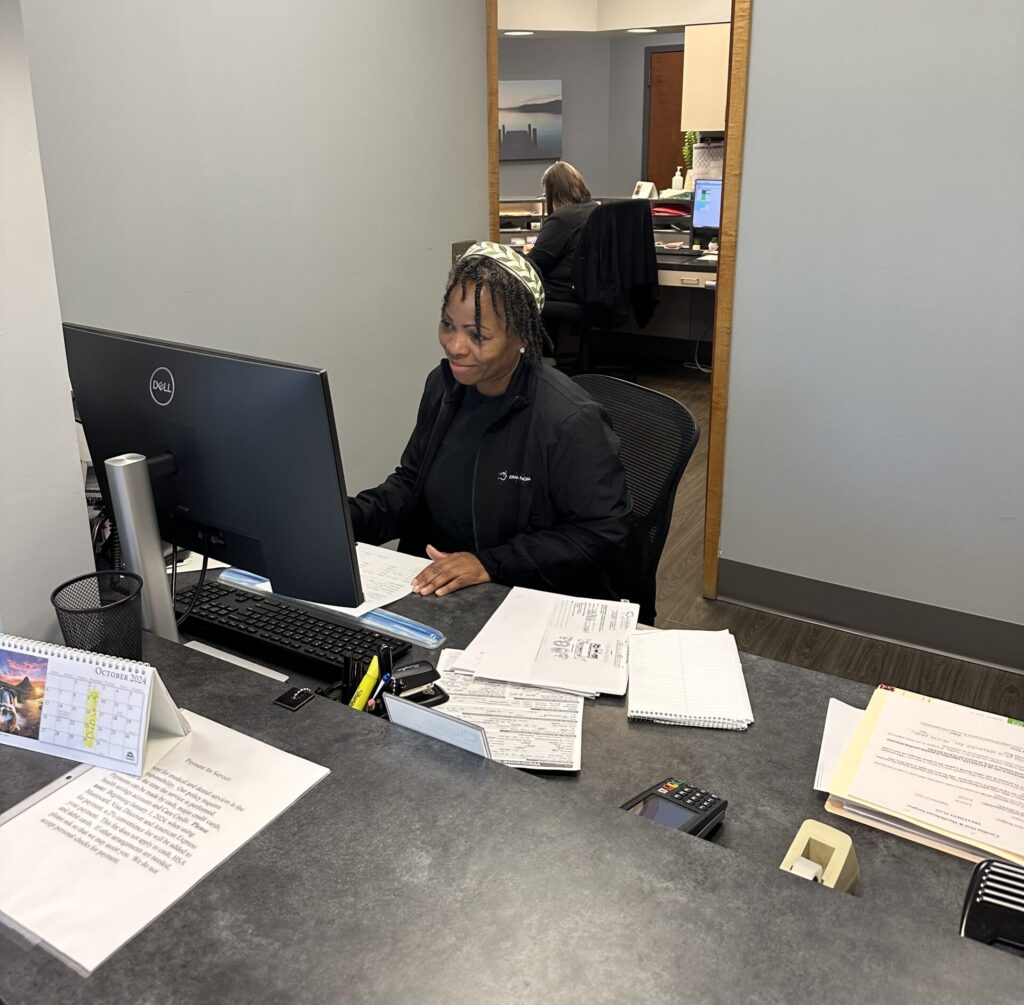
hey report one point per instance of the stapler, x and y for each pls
(416, 682)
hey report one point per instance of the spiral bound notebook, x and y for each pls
(685, 678)
(97, 709)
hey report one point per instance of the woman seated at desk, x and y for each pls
(569, 204)
(512, 473)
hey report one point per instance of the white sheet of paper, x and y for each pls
(437, 724)
(386, 576)
(194, 563)
(547, 640)
(527, 727)
(840, 722)
(957, 769)
(119, 851)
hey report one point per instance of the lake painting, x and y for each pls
(530, 120)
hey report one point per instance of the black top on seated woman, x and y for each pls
(569, 205)
(512, 473)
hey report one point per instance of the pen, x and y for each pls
(370, 678)
(372, 703)
(380, 686)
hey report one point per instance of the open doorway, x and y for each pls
(701, 543)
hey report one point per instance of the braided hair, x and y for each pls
(509, 297)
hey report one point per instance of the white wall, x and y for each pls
(44, 532)
(602, 106)
(608, 15)
(581, 63)
(874, 436)
(278, 179)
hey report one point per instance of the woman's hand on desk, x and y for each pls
(449, 572)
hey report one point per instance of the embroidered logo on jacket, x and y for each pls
(511, 476)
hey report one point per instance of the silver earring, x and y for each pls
(522, 348)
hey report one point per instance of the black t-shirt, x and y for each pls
(448, 489)
(556, 245)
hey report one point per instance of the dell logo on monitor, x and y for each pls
(161, 385)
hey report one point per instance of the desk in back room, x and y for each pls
(683, 320)
(416, 871)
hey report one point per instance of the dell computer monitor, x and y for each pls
(707, 205)
(254, 477)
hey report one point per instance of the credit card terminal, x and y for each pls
(677, 804)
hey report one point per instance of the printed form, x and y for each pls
(385, 575)
(546, 640)
(956, 770)
(526, 727)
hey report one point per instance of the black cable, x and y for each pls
(199, 585)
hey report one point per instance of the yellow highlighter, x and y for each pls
(366, 686)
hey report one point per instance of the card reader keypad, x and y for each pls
(699, 800)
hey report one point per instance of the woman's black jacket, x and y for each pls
(550, 505)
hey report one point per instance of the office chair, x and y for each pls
(657, 435)
(614, 274)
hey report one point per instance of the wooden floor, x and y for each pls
(829, 650)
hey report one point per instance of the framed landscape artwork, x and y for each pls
(530, 120)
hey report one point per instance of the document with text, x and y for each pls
(547, 640)
(527, 727)
(116, 851)
(936, 769)
(385, 575)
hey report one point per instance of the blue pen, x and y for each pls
(380, 686)
(372, 703)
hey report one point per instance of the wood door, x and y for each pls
(664, 113)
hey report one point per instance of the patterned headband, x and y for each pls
(511, 261)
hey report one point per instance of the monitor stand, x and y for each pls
(131, 494)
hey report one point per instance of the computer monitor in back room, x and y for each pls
(254, 477)
(707, 207)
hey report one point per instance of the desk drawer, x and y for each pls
(681, 277)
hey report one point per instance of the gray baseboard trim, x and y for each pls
(966, 636)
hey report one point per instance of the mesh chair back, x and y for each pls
(657, 436)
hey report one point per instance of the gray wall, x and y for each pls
(44, 533)
(874, 436)
(276, 179)
(602, 106)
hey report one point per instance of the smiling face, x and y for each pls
(484, 356)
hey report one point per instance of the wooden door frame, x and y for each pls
(735, 121)
(493, 164)
(648, 50)
(732, 171)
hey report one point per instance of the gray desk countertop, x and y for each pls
(417, 872)
(766, 773)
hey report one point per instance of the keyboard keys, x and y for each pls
(279, 631)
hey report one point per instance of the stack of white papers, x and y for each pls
(841, 722)
(688, 679)
(942, 774)
(526, 727)
(546, 640)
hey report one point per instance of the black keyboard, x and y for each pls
(290, 635)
